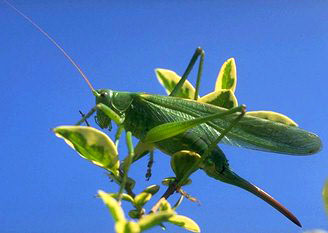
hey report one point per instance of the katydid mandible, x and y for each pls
(172, 124)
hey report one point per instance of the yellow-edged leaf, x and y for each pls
(169, 79)
(185, 222)
(92, 145)
(227, 78)
(273, 116)
(113, 206)
(221, 98)
(141, 199)
(153, 219)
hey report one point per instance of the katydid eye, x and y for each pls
(104, 94)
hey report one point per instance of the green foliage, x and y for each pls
(93, 145)
(169, 79)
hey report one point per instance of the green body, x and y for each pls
(141, 112)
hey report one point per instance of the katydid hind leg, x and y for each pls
(213, 168)
(232, 178)
(197, 53)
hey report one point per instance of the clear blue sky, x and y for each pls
(280, 49)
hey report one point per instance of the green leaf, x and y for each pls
(169, 79)
(92, 145)
(136, 213)
(164, 205)
(153, 189)
(125, 197)
(227, 78)
(169, 180)
(183, 161)
(153, 219)
(325, 195)
(221, 98)
(113, 206)
(185, 222)
(141, 199)
(127, 227)
(272, 116)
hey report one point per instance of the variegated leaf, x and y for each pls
(221, 98)
(92, 145)
(273, 116)
(169, 79)
(227, 78)
(184, 222)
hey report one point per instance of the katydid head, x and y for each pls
(117, 101)
(103, 96)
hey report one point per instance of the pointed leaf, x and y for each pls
(168, 181)
(92, 145)
(125, 197)
(169, 79)
(113, 206)
(221, 98)
(273, 116)
(185, 222)
(325, 196)
(141, 199)
(153, 219)
(227, 78)
(153, 189)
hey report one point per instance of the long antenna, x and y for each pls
(54, 42)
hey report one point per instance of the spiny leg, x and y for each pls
(197, 53)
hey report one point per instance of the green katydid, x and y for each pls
(172, 124)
